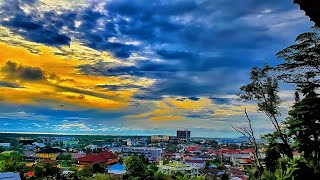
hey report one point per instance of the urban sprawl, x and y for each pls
(85, 157)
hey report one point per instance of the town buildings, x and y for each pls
(104, 158)
(178, 167)
(49, 153)
(195, 162)
(153, 154)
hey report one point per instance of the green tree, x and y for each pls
(136, 167)
(302, 68)
(97, 168)
(302, 61)
(100, 177)
(172, 148)
(182, 177)
(160, 176)
(304, 127)
(272, 155)
(297, 169)
(51, 169)
(86, 172)
(64, 157)
(225, 176)
(39, 171)
(263, 89)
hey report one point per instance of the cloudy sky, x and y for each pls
(137, 67)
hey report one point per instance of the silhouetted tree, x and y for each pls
(263, 89)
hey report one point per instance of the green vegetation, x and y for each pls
(300, 132)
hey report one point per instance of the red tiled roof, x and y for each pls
(108, 155)
(93, 158)
(247, 160)
(230, 151)
(191, 149)
(30, 174)
(100, 158)
(247, 151)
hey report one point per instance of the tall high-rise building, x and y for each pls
(183, 134)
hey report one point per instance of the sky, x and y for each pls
(123, 67)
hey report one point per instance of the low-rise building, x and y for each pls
(49, 153)
(153, 154)
(104, 158)
(92, 147)
(195, 163)
(29, 155)
(160, 138)
(211, 173)
(205, 157)
(241, 160)
(178, 167)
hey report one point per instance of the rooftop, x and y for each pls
(50, 150)
(102, 157)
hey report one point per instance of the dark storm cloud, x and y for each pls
(84, 92)
(29, 26)
(190, 98)
(9, 84)
(120, 87)
(15, 71)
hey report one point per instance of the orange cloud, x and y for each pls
(166, 118)
(61, 84)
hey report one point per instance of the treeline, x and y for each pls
(300, 131)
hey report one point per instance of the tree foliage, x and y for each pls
(263, 89)
(301, 130)
(302, 61)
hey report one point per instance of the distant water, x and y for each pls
(241, 139)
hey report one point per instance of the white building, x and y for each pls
(195, 163)
(205, 157)
(92, 147)
(153, 154)
(239, 160)
(177, 167)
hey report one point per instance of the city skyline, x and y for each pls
(138, 68)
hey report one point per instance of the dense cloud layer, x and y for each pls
(189, 48)
(183, 38)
